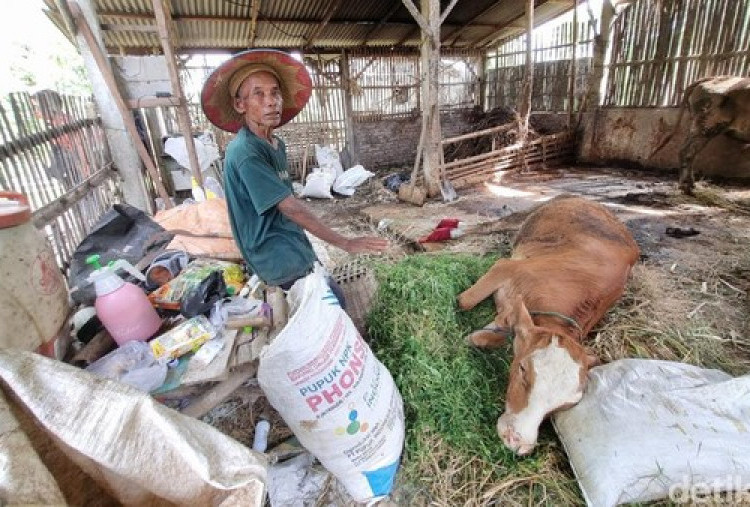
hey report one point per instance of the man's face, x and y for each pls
(259, 100)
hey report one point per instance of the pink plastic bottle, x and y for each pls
(122, 307)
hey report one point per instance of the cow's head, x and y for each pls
(548, 373)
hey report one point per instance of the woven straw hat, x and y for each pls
(217, 96)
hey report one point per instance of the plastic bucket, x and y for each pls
(34, 303)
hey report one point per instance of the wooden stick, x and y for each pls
(99, 345)
(163, 21)
(304, 164)
(221, 391)
(127, 118)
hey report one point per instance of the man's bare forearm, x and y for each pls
(298, 213)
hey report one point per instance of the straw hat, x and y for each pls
(217, 96)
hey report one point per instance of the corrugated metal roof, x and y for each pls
(128, 26)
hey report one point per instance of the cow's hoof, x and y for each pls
(687, 189)
(487, 338)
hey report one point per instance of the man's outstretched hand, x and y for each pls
(366, 244)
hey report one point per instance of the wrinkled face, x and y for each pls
(548, 373)
(543, 380)
(259, 100)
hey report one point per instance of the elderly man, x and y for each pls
(252, 94)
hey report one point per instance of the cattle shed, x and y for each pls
(481, 110)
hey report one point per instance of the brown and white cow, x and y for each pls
(717, 105)
(570, 263)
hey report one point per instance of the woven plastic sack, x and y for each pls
(648, 429)
(338, 399)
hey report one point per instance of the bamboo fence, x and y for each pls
(56, 154)
(384, 85)
(557, 54)
(659, 47)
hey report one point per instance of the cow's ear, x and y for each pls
(522, 324)
(592, 360)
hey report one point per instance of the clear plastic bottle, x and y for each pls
(260, 439)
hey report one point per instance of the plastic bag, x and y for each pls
(176, 148)
(327, 156)
(350, 179)
(204, 296)
(186, 337)
(131, 364)
(319, 184)
(338, 399)
(124, 232)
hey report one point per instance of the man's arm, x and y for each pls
(298, 213)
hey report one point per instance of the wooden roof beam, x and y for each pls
(456, 33)
(254, 10)
(394, 8)
(518, 21)
(329, 14)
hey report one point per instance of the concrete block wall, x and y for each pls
(629, 135)
(392, 143)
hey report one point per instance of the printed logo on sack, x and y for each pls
(354, 425)
(330, 298)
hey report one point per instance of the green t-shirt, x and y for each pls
(255, 181)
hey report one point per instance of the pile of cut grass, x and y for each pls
(453, 393)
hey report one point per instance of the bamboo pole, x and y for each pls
(127, 118)
(572, 88)
(163, 22)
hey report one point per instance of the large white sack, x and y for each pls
(104, 438)
(350, 179)
(648, 429)
(319, 183)
(338, 399)
(176, 147)
(327, 156)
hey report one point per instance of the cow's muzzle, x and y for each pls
(512, 439)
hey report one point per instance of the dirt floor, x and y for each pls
(695, 257)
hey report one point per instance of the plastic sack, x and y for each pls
(350, 179)
(338, 399)
(131, 364)
(176, 148)
(106, 443)
(327, 156)
(123, 232)
(648, 429)
(319, 183)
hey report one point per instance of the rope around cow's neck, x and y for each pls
(569, 320)
(511, 335)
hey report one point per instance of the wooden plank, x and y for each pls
(221, 391)
(148, 102)
(163, 22)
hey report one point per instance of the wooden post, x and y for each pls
(572, 86)
(601, 42)
(163, 22)
(346, 84)
(125, 112)
(429, 21)
(528, 84)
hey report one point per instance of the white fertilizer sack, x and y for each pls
(338, 399)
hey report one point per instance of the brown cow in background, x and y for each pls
(571, 260)
(718, 105)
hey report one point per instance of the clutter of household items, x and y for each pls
(165, 310)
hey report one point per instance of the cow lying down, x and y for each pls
(570, 262)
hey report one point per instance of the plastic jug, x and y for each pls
(122, 307)
(34, 303)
